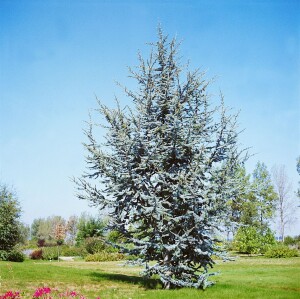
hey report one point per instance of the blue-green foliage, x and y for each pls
(166, 169)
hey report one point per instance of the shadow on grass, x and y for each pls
(148, 283)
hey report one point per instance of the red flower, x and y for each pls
(10, 295)
(73, 294)
(41, 291)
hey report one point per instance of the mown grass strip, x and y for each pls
(243, 278)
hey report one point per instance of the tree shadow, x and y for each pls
(147, 283)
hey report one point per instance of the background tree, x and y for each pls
(44, 228)
(35, 227)
(298, 170)
(71, 229)
(252, 208)
(60, 233)
(10, 212)
(286, 205)
(263, 195)
(241, 208)
(165, 172)
(254, 204)
(24, 233)
(41, 229)
(89, 227)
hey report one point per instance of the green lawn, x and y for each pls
(244, 278)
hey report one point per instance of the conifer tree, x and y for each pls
(165, 171)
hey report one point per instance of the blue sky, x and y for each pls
(57, 55)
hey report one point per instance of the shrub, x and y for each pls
(41, 242)
(50, 253)
(281, 251)
(132, 257)
(229, 245)
(59, 242)
(3, 255)
(288, 240)
(249, 239)
(15, 256)
(36, 254)
(89, 227)
(104, 256)
(94, 245)
(12, 256)
(267, 240)
(115, 237)
(51, 243)
(297, 238)
(73, 251)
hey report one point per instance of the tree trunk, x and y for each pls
(167, 259)
(281, 220)
(167, 285)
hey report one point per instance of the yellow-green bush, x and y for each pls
(73, 251)
(104, 256)
(281, 251)
(251, 240)
(50, 253)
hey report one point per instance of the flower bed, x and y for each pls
(44, 293)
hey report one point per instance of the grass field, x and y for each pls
(244, 278)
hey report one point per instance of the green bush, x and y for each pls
(249, 239)
(229, 245)
(115, 237)
(89, 227)
(288, 240)
(281, 251)
(3, 255)
(12, 256)
(267, 240)
(132, 257)
(104, 256)
(51, 253)
(15, 256)
(94, 245)
(297, 238)
(73, 251)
